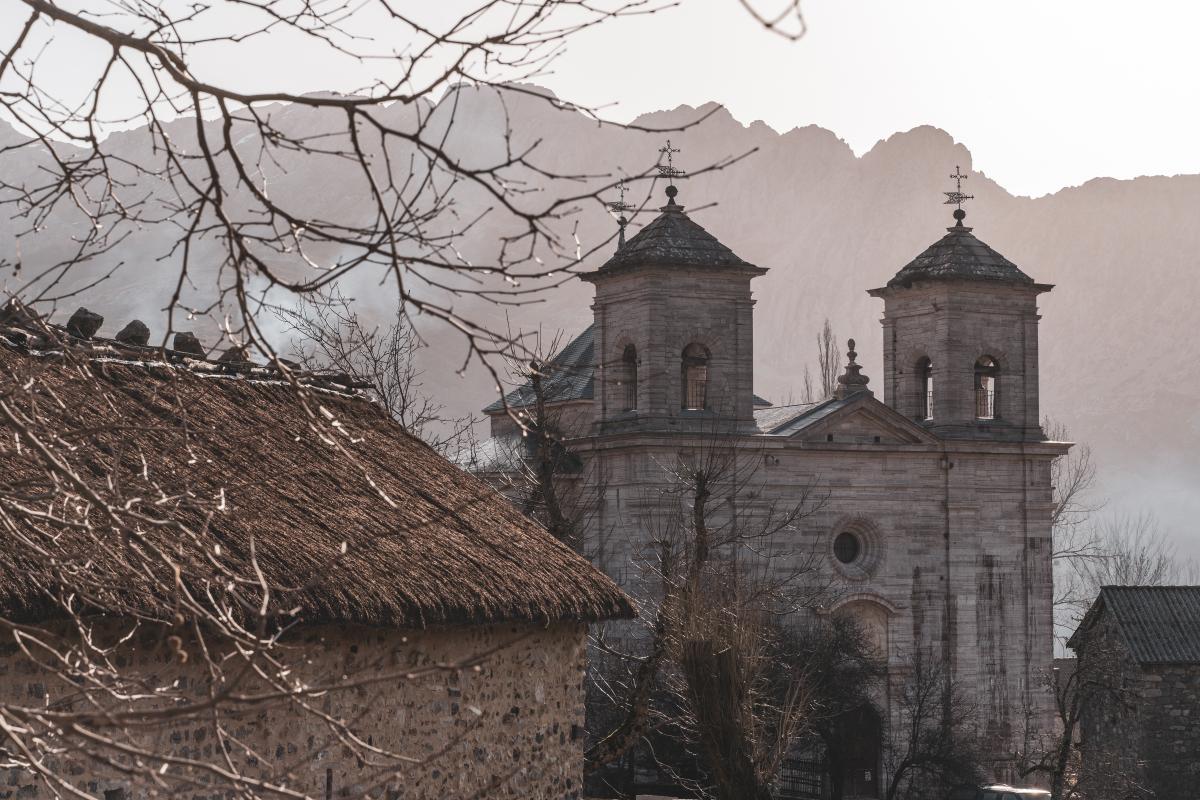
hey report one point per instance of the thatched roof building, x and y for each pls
(349, 518)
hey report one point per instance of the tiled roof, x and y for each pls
(811, 415)
(1160, 624)
(569, 376)
(959, 254)
(673, 240)
(770, 420)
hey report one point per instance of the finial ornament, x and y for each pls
(619, 208)
(669, 170)
(957, 198)
(852, 381)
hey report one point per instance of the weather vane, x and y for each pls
(669, 170)
(957, 198)
(620, 207)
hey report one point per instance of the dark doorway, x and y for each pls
(856, 753)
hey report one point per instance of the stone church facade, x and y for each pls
(935, 532)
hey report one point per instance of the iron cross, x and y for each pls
(957, 198)
(620, 205)
(668, 170)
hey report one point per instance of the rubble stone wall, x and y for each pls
(510, 728)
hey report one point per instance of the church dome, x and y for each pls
(674, 240)
(959, 254)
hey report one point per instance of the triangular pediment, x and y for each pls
(857, 419)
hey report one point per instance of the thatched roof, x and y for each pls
(355, 521)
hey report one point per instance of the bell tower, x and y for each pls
(960, 338)
(673, 325)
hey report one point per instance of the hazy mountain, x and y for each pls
(1116, 348)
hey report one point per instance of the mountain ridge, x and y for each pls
(830, 224)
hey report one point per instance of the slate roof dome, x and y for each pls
(959, 254)
(673, 239)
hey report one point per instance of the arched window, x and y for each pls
(987, 382)
(694, 375)
(628, 379)
(924, 389)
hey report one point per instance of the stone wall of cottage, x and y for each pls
(1140, 735)
(510, 729)
(1170, 734)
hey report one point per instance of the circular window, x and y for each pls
(856, 547)
(846, 547)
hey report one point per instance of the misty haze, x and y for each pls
(733, 399)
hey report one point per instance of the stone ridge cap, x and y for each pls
(107, 351)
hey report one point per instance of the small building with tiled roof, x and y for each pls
(1139, 650)
(438, 634)
(935, 531)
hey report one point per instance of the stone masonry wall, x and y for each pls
(511, 729)
(955, 560)
(1170, 736)
(1141, 734)
(660, 312)
(954, 324)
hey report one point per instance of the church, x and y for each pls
(935, 530)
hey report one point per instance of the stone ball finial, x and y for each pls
(960, 215)
(672, 190)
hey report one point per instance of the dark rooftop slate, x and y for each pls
(673, 239)
(1160, 624)
(569, 376)
(959, 254)
(810, 416)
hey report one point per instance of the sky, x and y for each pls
(1044, 95)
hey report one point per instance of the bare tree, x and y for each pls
(932, 742)
(332, 337)
(199, 175)
(1094, 678)
(828, 365)
(1092, 549)
(1120, 550)
(725, 588)
(548, 479)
